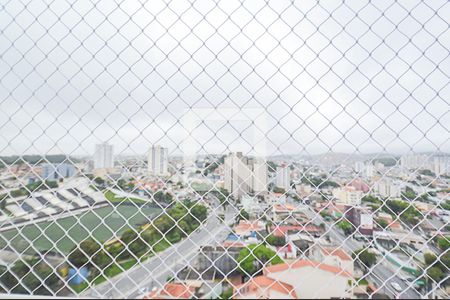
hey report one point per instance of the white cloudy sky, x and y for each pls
(353, 76)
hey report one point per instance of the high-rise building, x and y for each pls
(104, 156)
(244, 175)
(415, 161)
(441, 165)
(158, 161)
(282, 179)
(57, 171)
(260, 175)
(364, 169)
(348, 195)
(386, 188)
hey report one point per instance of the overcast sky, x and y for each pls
(352, 76)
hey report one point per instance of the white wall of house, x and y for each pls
(310, 282)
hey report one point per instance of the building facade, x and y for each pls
(282, 179)
(243, 175)
(57, 171)
(104, 156)
(158, 161)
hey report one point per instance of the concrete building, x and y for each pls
(312, 280)
(263, 287)
(243, 175)
(386, 188)
(260, 175)
(57, 171)
(334, 257)
(361, 218)
(348, 195)
(364, 169)
(415, 161)
(158, 161)
(282, 178)
(104, 156)
(441, 165)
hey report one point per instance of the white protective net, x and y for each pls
(224, 149)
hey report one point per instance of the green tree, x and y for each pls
(365, 257)
(382, 223)
(163, 224)
(429, 258)
(81, 254)
(445, 260)
(278, 241)
(252, 258)
(101, 259)
(371, 199)
(185, 227)
(35, 276)
(409, 194)
(443, 243)
(135, 243)
(227, 294)
(200, 212)
(243, 215)
(99, 180)
(346, 226)
(403, 209)
(435, 273)
(279, 190)
(116, 250)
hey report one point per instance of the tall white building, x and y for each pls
(158, 161)
(260, 175)
(415, 161)
(104, 156)
(386, 188)
(441, 165)
(282, 179)
(364, 169)
(243, 175)
(348, 195)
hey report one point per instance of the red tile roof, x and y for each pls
(172, 290)
(282, 230)
(265, 283)
(284, 207)
(246, 226)
(306, 263)
(337, 252)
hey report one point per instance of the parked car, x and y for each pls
(396, 286)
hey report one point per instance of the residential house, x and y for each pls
(312, 279)
(263, 287)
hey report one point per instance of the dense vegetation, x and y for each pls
(36, 277)
(437, 266)
(346, 227)
(387, 161)
(365, 258)
(278, 241)
(406, 211)
(319, 182)
(140, 243)
(254, 257)
(243, 215)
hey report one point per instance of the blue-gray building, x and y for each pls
(57, 171)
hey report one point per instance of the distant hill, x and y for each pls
(35, 159)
